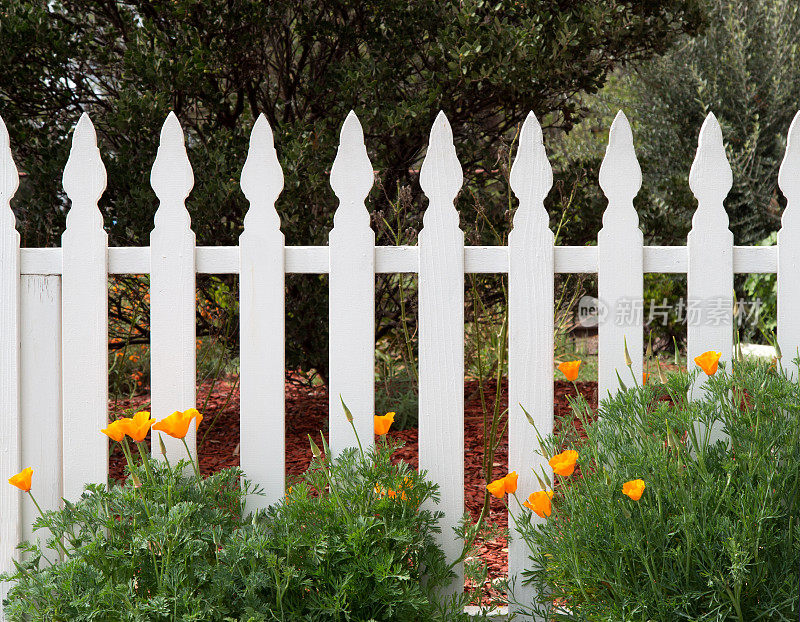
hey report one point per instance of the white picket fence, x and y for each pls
(53, 305)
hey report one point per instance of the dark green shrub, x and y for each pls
(715, 534)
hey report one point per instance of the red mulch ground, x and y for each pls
(307, 412)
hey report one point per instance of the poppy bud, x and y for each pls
(347, 412)
(314, 449)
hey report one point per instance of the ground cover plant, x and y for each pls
(350, 542)
(663, 522)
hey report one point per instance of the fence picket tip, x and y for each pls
(710, 176)
(789, 172)
(620, 174)
(171, 176)
(531, 175)
(352, 174)
(441, 174)
(9, 177)
(262, 178)
(84, 178)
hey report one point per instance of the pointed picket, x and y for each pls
(789, 251)
(620, 263)
(530, 327)
(261, 321)
(172, 287)
(84, 317)
(10, 424)
(709, 309)
(441, 335)
(351, 294)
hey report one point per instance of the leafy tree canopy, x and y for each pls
(746, 70)
(304, 65)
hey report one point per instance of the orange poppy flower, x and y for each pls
(708, 361)
(177, 424)
(511, 482)
(499, 487)
(383, 423)
(645, 376)
(570, 369)
(137, 426)
(564, 463)
(22, 480)
(539, 502)
(115, 431)
(633, 489)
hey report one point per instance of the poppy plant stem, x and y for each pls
(633, 375)
(194, 464)
(358, 440)
(44, 518)
(349, 416)
(145, 460)
(41, 513)
(128, 455)
(334, 492)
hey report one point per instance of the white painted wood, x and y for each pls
(441, 335)
(530, 326)
(788, 297)
(620, 263)
(84, 314)
(41, 261)
(351, 349)
(755, 259)
(710, 251)
(404, 259)
(172, 287)
(10, 449)
(40, 396)
(261, 322)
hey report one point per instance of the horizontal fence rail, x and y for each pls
(405, 259)
(53, 328)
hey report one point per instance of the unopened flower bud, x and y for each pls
(314, 449)
(347, 412)
(661, 377)
(628, 360)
